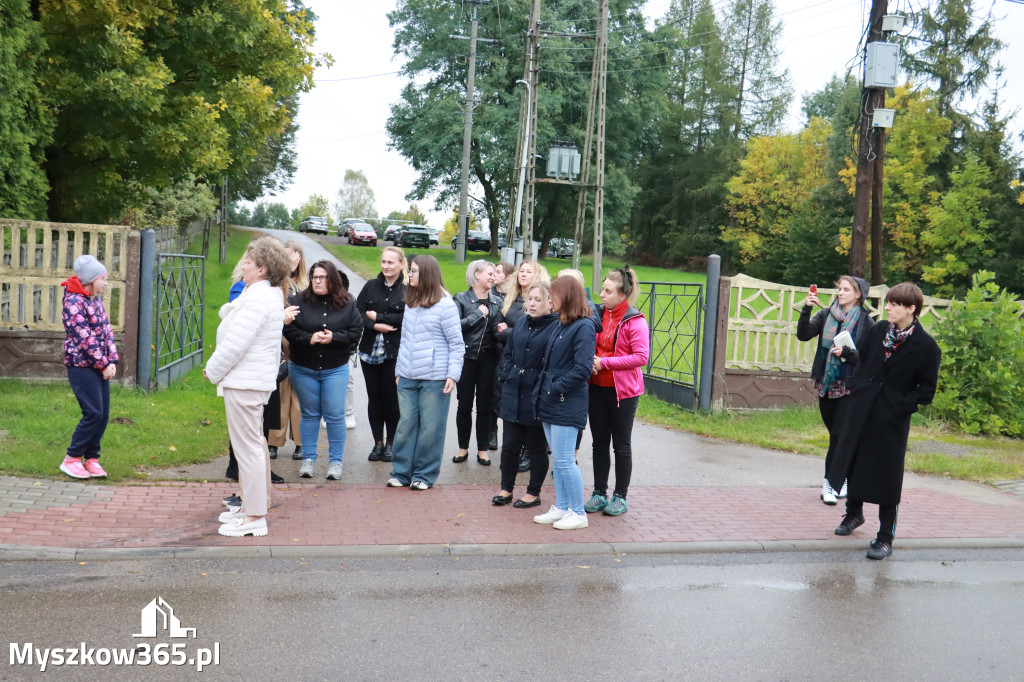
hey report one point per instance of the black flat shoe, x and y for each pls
(519, 504)
(459, 459)
(274, 478)
(483, 462)
(501, 500)
(273, 451)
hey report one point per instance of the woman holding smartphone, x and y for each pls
(831, 371)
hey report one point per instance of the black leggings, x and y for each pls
(833, 413)
(381, 399)
(886, 518)
(611, 423)
(477, 377)
(513, 437)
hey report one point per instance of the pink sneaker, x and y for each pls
(72, 466)
(94, 468)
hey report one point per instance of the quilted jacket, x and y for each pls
(90, 340)
(249, 340)
(432, 348)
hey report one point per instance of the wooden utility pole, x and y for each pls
(467, 139)
(869, 164)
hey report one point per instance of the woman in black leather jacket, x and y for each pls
(482, 321)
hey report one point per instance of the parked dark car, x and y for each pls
(362, 233)
(391, 232)
(560, 247)
(476, 240)
(314, 224)
(413, 235)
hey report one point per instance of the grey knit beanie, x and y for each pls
(87, 268)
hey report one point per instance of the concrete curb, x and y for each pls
(32, 553)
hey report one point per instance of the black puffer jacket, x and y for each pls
(474, 323)
(389, 304)
(345, 325)
(521, 366)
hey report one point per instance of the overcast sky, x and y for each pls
(341, 121)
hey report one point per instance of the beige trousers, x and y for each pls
(244, 410)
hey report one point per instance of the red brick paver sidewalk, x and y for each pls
(185, 515)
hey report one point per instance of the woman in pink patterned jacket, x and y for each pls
(91, 357)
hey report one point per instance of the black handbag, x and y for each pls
(282, 370)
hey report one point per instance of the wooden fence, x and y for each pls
(758, 361)
(35, 257)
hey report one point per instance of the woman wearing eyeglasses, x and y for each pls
(623, 347)
(322, 337)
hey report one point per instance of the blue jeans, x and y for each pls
(419, 440)
(321, 393)
(568, 477)
(93, 394)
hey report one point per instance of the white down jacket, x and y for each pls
(249, 340)
(432, 347)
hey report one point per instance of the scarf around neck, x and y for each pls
(835, 322)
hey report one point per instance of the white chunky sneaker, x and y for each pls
(237, 528)
(334, 471)
(350, 421)
(571, 521)
(552, 515)
(842, 493)
(828, 495)
(306, 470)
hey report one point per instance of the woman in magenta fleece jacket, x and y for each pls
(623, 347)
(91, 357)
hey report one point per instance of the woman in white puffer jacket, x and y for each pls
(244, 368)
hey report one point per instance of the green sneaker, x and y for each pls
(595, 504)
(617, 507)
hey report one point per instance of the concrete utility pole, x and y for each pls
(467, 138)
(869, 164)
(519, 221)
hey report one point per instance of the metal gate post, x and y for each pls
(147, 261)
(707, 366)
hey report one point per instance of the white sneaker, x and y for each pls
(395, 483)
(828, 495)
(236, 528)
(306, 470)
(552, 515)
(231, 515)
(842, 493)
(334, 471)
(350, 421)
(571, 521)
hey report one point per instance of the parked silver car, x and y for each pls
(561, 247)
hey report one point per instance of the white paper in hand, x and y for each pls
(843, 340)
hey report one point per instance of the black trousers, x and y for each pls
(833, 413)
(887, 514)
(611, 424)
(477, 378)
(513, 437)
(381, 399)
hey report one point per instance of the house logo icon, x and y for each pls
(158, 616)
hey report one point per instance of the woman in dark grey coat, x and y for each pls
(831, 368)
(898, 371)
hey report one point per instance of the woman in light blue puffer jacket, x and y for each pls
(429, 366)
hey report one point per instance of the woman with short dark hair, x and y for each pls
(561, 401)
(322, 337)
(898, 370)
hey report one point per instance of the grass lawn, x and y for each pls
(180, 425)
(933, 448)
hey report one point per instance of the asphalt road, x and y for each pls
(921, 615)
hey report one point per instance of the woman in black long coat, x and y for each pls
(898, 368)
